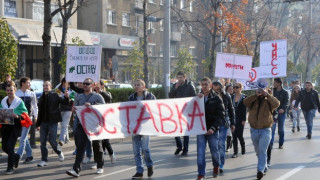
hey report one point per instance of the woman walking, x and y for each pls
(295, 112)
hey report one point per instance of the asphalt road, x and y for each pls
(300, 159)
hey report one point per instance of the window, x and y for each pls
(174, 3)
(150, 25)
(161, 51)
(161, 2)
(190, 28)
(138, 22)
(112, 17)
(38, 12)
(173, 50)
(161, 25)
(182, 4)
(192, 51)
(191, 6)
(152, 1)
(152, 50)
(125, 19)
(183, 29)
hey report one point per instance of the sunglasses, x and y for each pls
(87, 84)
(236, 87)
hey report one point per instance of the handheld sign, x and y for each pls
(273, 59)
(233, 66)
(83, 62)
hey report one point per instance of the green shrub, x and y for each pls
(2, 94)
(121, 95)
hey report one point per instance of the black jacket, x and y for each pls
(302, 98)
(214, 111)
(229, 110)
(146, 96)
(106, 96)
(240, 109)
(185, 90)
(53, 108)
(283, 97)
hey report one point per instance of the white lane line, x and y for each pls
(290, 173)
(123, 170)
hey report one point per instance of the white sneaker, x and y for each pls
(93, 167)
(86, 160)
(72, 173)
(113, 158)
(61, 157)
(42, 163)
(99, 170)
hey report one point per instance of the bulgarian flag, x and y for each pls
(19, 109)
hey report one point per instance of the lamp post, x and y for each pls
(21, 64)
(166, 48)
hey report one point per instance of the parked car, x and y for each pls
(155, 85)
(37, 87)
(118, 86)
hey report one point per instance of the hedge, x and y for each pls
(121, 95)
(2, 94)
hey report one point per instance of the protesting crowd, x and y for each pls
(227, 110)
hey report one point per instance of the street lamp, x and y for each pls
(20, 63)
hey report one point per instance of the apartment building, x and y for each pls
(118, 24)
(25, 18)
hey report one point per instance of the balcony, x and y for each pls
(175, 36)
(138, 4)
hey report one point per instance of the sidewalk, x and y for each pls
(70, 146)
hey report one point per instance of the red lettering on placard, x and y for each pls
(167, 118)
(127, 108)
(89, 110)
(274, 58)
(180, 117)
(272, 71)
(110, 110)
(196, 113)
(141, 118)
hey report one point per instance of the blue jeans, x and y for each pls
(281, 120)
(261, 139)
(213, 142)
(185, 143)
(64, 133)
(308, 116)
(273, 131)
(222, 144)
(24, 143)
(48, 130)
(141, 143)
(296, 118)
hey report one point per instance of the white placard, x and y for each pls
(233, 66)
(167, 117)
(83, 62)
(250, 84)
(273, 59)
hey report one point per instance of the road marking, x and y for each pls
(116, 172)
(290, 173)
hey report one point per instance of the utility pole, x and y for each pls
(166, 48)
(309, 60)
(145, 47)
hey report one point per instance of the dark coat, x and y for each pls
(53, 108)
(240, 109)
(228, 105)
(302, 98)
(283, 97)
(185, 90)
(146, 96)
(214, 111)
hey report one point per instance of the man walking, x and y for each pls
(283, 96)
(30, 100)
(309, 104)
(180, 89)
(49, 116)
(81, 140)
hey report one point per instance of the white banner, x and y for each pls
(273, 59)
(167, 117)
(233, 66)
(83, 62)
(251, 84)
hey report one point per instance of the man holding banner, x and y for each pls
(81, 140)
(180, 89)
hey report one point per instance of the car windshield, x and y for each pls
(37, 85)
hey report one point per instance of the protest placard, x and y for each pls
(250, 83)
(6, 116)
(233, 66)
(165, 117)
(273, 59)
(83, 62)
